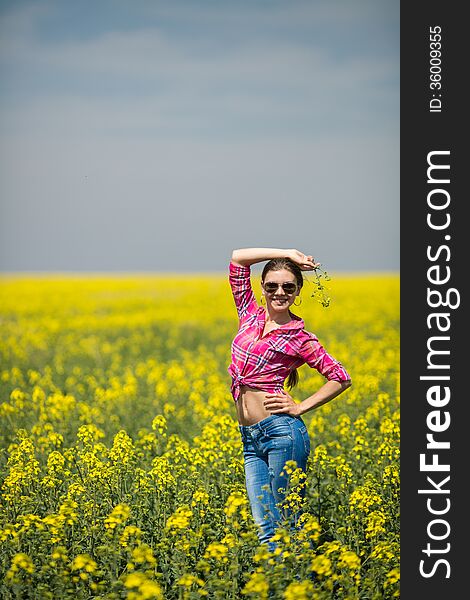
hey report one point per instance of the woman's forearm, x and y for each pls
(327, 392)
(250, 256)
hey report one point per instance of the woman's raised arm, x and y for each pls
(249, 256)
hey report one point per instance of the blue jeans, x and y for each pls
(267, 446)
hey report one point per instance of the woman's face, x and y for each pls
(280, 299)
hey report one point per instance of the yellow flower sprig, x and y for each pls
(320, 290)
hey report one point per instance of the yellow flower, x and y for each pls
(123, 450)
(200, 496)
(320, 455)
(257, 586)
(21, 563)
(343, 470)
(59, 553)
(236, 501)
(179, 520)
(360, 424)
(217, 551)
(55, 524)
(321, 564)
(393, 576)
(119, 515)
(388, 450)
(8, 531)
(361, 444)
(309, 526)
(391, 475)
(388, 427)
(144, 588)
(349, 559)
(29, 521)
(385, 551)
(289, 467)
(343, 426)
(88, 434)
(131, 532)
(332, 547)
(375, 524)
(364, 499)
(187, 580)
(159, 423)
(162, 471)
(300, 591)
(17, 396)
(23, 467)
(143, 554)
(55, 462)
(68, 510)
(83, 562)
(262, 553)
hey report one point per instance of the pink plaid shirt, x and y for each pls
(265, 362)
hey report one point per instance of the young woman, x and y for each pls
(270, 345)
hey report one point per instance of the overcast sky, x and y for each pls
(146, 135)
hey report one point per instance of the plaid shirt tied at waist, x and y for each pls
(264, 362)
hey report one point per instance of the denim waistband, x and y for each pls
(264, 425)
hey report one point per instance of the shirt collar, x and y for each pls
(296, 323)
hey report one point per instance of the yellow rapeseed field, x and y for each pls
(121, 463)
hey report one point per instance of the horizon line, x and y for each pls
(109, 273)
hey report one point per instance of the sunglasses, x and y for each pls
(271, 287)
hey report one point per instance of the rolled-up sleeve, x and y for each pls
(240, 282)
(315, 355)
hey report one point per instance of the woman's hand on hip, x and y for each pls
(305, 261)
(281, 402)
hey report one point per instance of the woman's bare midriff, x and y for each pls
(250, 407)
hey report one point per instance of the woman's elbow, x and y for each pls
(236, 259)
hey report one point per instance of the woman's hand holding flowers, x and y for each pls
(306, 262)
